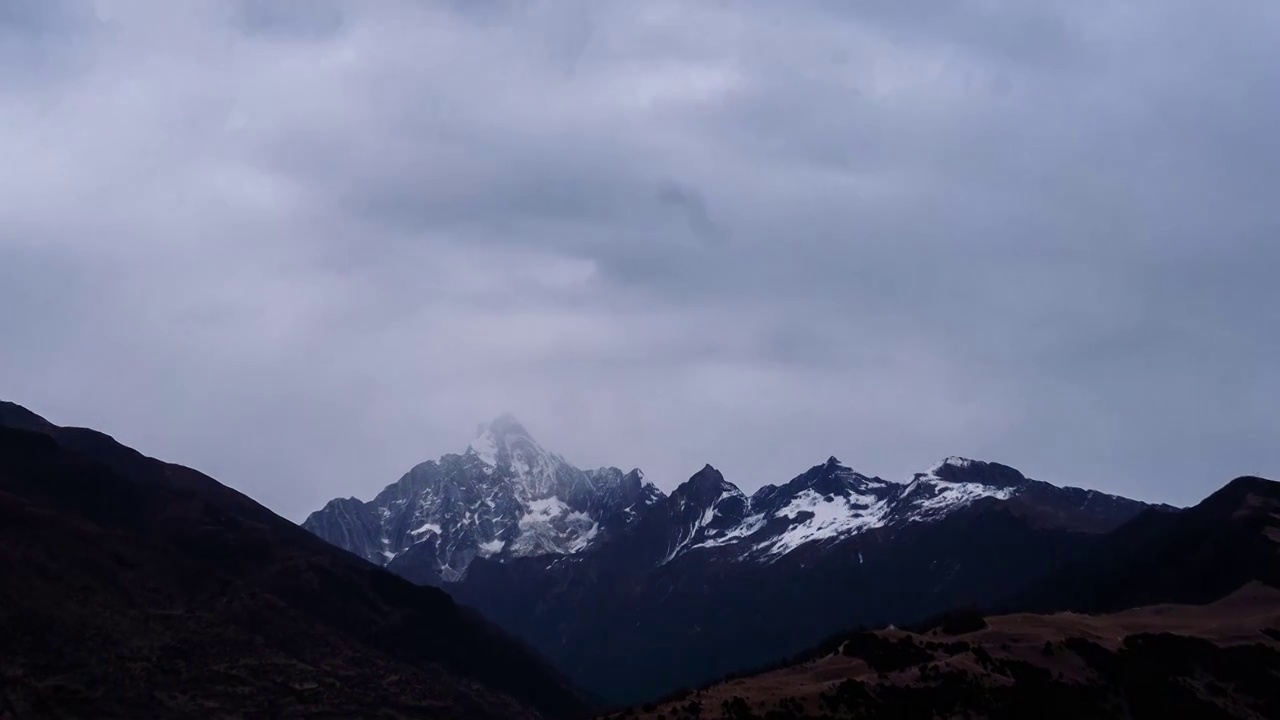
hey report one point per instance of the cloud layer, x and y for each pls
(303, 245)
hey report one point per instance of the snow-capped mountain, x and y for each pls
(708, 579)
(507, 497)
(831, 502)
(825, 504)
(504, 496)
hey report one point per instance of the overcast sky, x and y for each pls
(304, 245)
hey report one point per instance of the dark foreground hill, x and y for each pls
(130, 587)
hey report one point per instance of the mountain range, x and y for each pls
(1184, 622)
(600, 569)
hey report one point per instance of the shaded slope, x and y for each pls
(1192, 556)
(133, 587)
(706, 613)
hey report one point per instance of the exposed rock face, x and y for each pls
(505, 496)
(350, 524)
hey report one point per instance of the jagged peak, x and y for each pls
(833, 464)
(504, 425)
(832, 476)
(616, 474)
(707, 483)
(706, 476)
(497, 436)
(352, 500)
(608, 473)
(953, 461)
(336, 505)
(831, 467)
(967, 470)
(942, 467)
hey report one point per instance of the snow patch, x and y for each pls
(746, 528)
(652, 493)
(543, 510)
(550, 526)
(953, 461)
(426, 527)
(831, 517)
(485, 446)
(584, 539)
(687, 536)
(493, 547)
(953, 496)
(816, 517)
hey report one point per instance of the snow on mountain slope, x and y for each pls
(504, 446)
(505, 496)
(832, 502)
(952, 484)
(550, 527)
(827, 502)
(703, 507)
(818, 518)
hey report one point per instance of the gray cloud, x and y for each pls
(302, 246)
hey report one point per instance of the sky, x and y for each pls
(304, 245)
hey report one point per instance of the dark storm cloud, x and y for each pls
(303, 245)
